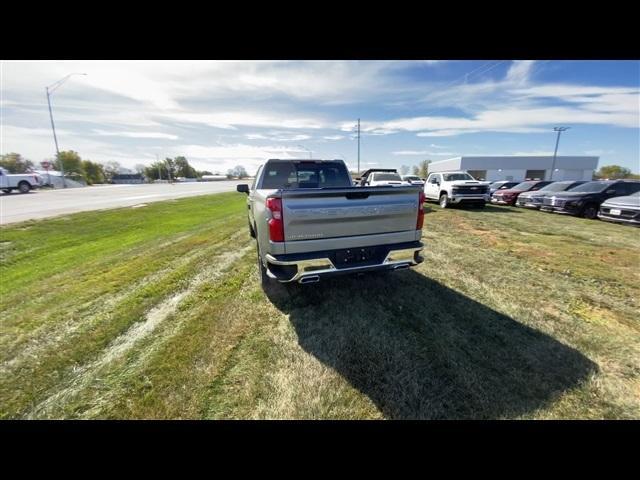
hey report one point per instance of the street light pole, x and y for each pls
(358, 146)
(555, 152)
(50, 89)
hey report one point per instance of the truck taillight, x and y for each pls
(276, 222)
(420, 222)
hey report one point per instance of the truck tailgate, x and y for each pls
(312, 214)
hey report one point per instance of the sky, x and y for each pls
(220, 114)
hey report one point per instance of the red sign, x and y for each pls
(45, 165)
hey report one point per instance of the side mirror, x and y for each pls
(243, 188)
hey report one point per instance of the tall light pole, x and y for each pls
(555, 152)
(305, 148)
(358, 146)
(50, 89)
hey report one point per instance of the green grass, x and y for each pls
(157, 312)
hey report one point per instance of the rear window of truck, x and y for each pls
(289, 175)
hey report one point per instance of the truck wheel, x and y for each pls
(24, 187)
(590, 211)
(444, 200)
(252, 231)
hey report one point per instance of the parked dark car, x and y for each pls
(621, 209)
(501, 185)
(533, 199)
(510, 195)
(585, 200)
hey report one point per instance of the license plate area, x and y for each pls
(350, 257)
(615, 211)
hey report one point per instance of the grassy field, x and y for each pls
(156, 312)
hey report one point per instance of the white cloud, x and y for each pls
(278, 137)
(519, 71)
(422, 153)
(136, 134)
(231, 120)
(333, 137)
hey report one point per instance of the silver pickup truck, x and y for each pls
(310, 222)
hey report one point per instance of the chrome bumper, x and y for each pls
(612, 218)
(313, 268)
(462, 197)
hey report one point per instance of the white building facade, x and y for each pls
(517, 168)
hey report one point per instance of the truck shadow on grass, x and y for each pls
(420, 350)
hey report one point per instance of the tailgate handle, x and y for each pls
(357, 195)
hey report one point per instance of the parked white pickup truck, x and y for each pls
(456, 187)
(22, 182)
(376, 177)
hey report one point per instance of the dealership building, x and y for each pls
(516, 167)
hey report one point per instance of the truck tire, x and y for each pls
(24, 187)
(444, 201)
(265, 281)
(590, 211)
(252, 231)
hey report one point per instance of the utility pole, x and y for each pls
(53, 87)
(555, 152)
(358, 146)
(159, 169)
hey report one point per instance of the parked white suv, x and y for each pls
(454, 188)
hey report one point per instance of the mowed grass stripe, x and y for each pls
(42, 248)
(44, 371)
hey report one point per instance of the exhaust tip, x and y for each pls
(401, 267)
(310, 279)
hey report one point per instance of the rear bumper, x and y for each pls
(304, 268)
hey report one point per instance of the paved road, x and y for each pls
(17, 207)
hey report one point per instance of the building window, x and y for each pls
(534, 175)
(478, 174)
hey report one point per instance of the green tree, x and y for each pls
(423, 168)
(110, 169)
(93, 172)
(157, 170)
(71, 162)
(613, 172)
(416, 170)
(183, 169)
(15, 163)
(238, 171)
(404, 170)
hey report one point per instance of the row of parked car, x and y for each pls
(610, 200)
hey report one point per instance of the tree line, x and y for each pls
(421, 170)
(96, 172)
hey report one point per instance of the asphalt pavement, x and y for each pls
(16, 207)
